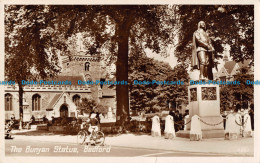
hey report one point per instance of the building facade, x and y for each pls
(61, 100)
(229, 70)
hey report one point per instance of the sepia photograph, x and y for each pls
(132, 80)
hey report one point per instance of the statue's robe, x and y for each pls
(195, 64)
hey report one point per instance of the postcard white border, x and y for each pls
(256, 157)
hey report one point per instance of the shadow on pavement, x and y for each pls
(40, 133)
(49, 133)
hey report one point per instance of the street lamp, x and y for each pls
(24, 108)
(243, 122)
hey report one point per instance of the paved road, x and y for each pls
(40, 148)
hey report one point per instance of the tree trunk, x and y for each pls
(20, 104)
(122, 96)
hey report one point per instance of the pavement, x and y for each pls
(239, 147)
(40, 148)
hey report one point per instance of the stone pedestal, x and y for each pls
(109, 115)
(204, 101)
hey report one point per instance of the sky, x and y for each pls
(172, 60)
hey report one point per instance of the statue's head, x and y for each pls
(202, 25)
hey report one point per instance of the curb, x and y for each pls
(182, 151)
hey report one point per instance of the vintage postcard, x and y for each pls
(129, 81)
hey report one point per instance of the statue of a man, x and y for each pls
(202, 56)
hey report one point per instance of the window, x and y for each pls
(36, 102)
(87, 65)
(8, 102)
(193, 94)
(102, 80)
(76, 99)
(223, 78)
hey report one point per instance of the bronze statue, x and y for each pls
(202, 52)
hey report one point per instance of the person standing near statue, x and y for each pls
(202, 56)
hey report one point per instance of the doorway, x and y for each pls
(64, 111)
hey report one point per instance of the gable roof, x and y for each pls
(229, 66)
(54, 101)
(215, 75)
(245, 64)
(222, 72)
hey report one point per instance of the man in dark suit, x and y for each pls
(177, 119)
(251, 114)
(172, 113)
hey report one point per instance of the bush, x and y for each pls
(102, 109)
(57, 121)
(142, 126)
(72, 128)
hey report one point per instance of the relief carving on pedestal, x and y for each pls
(209, 93)
(193, 94)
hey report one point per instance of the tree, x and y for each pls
(177, 93)
(144, 96)
(242, 94)
(86, 105)
(27, 56)
(111, 27)
(154, 96)
(227, 24)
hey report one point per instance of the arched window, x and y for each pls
(36, 102)
(87, 65)
(8, 102)
(76, 99)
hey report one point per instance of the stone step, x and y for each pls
(206, 134)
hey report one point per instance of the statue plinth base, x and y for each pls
(204, 101)
(206, 134)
